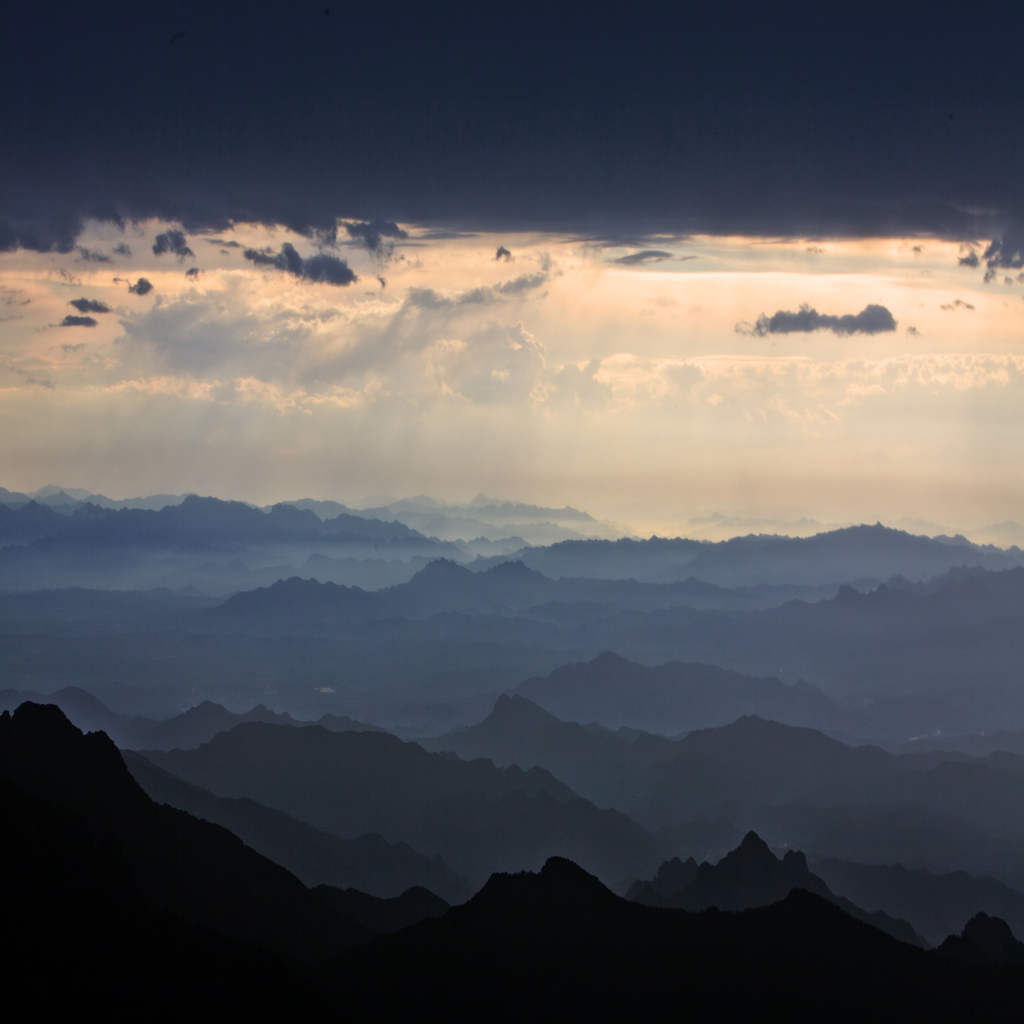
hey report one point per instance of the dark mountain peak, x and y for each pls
(45, 721)
(985, 939)
(560, 883)
(513, 710)
(752, 854)
(753, 845)
(514, 571)
(795, 862)
(990, 933)
(561, 871)
(53, 759)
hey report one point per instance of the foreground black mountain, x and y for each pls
(155, 856)
(561, 941)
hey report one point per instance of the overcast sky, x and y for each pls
(279, 252)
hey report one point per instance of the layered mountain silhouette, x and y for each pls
(154, 856)
(477, 817)
(673, 698)
(147, 908)
(189, 729)
(935, 904)
(852, 554)
(751, 876)
(367, 863)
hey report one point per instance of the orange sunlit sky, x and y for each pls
(630, 380)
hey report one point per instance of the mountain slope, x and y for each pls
(477, 817)
(367, 863)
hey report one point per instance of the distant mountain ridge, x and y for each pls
(849, 554)
(191, 728)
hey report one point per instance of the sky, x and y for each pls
(278, 252)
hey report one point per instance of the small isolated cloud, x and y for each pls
(374, 235)
(92, 255)
(322, 268)
(89, 306)
(175, 242)
(968, 256)
(955, 304)
(815, 250)
(912, 330)
(872, 319)
(122, 249)
(78, 321)
(502, 254)
(644, 256)
(141, 287)
(76, 347)
(917, 249)
(224, 243)
(193, 273)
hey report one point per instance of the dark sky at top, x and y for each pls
(879, 121)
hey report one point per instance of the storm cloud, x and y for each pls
(321, 268)
(461, 150)
(872, 319)
(172, 241)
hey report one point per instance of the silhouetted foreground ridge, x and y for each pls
(145, 911)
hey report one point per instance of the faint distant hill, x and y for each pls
(936, 904)
(367, 863)
(674, 698)
(752, 876)
(857, 553)
(477, 817)
(191, 728)
(506, 588)
(28, 522)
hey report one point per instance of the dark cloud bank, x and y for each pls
(764, 122)
(872, 319)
